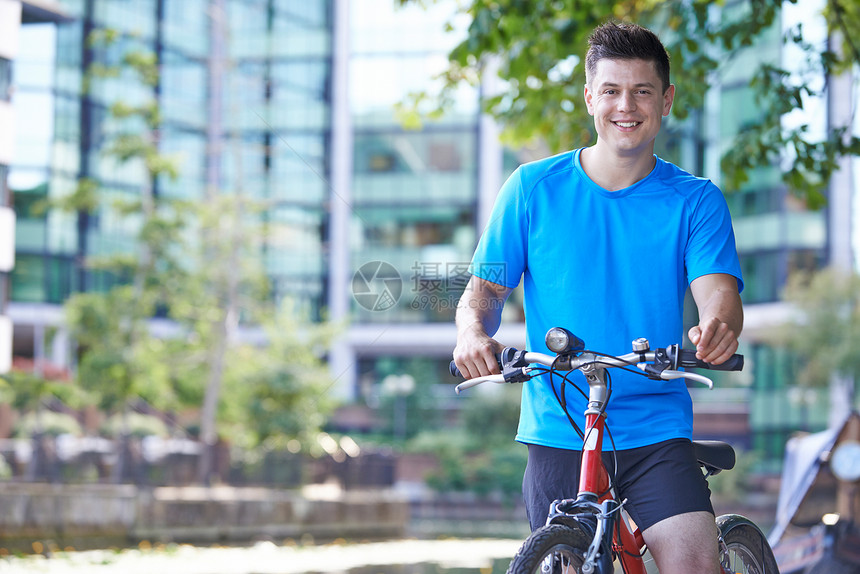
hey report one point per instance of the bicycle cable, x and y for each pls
(562, 400)
(609, 432)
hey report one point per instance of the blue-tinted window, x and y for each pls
(134, 17)
(5, 199)
(28, 279)
(5, 79)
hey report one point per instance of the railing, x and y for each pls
(154, 461)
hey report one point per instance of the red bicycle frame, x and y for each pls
(594, 479)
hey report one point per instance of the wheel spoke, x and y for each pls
(737, 559)
(554, 549)
(744, 549)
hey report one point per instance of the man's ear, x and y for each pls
(668, 98)
(589, 105)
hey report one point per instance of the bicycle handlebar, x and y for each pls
(656, 364)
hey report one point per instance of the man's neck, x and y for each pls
(614, 172)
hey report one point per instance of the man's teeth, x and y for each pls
(627, 124)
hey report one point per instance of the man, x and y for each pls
(606, 240)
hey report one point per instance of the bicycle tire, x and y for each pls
(744, 548)
(565, 546)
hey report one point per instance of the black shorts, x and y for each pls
(658, 481)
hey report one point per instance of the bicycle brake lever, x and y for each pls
(662, 361)
(669, 375)
(513, 362)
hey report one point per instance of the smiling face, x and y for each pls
(628, 103)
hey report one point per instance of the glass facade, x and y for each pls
(414, 192)
(5, 79)
(42, 239)
(274, 133)
(277, 135)
(4, 202)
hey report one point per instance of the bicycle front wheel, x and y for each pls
(743, 547)
(553, 549)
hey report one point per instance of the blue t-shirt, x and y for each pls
(610, 266)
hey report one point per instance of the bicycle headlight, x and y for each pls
(559, 340)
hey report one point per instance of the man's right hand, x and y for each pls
(475, 353)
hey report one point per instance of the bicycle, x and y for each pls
(587, 534)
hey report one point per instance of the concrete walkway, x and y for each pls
(265, 558)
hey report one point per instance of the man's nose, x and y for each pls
(626, 102)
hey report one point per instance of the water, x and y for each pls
(395, 557)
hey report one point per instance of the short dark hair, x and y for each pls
(622, 41)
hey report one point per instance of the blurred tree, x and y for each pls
(277, 392)
(33, 394)
(537, 48)
(118, 356)
(407, 404)
(479, 456)
(825, 332)
(198, 265)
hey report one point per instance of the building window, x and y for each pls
(4, 186)
(5, 80)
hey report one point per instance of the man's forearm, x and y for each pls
(479, 314)
(721, 317)
(473, 313)
(725, 306)
(481, 307)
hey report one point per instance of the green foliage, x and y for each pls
(537, 50)
(84, 198)
(279, 391)
(844, 18)
(405, 416)
(200, 265)
(134, 425)
(27, 391)
(767, 141)
(48, 423)
(145, 65)
(481, 456)
(732, 485)
(825, 332)
(118, 356)
(492, 419)
(494, 470)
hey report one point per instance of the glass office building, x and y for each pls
(284, 101)
(265, 135)
(26, 125)
(10, 22)
(415, 200)
(269, 132)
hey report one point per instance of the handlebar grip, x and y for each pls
(455, 372)
(687, 358)
(735, 363)
(452, 368)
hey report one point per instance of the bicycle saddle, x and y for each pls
(714, 455)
